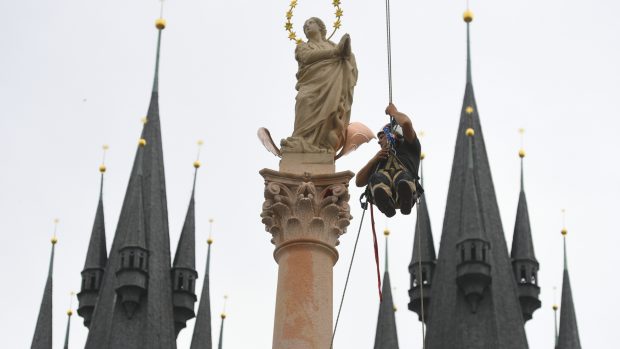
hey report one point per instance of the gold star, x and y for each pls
(337, 24)
(299, 41)
(293, 3)
(292, 35)
(289, 14)
(336, 2)
(339, 13)
(288, 26)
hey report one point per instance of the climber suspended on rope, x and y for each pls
(392, 174)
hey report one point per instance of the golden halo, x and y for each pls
(289, 24)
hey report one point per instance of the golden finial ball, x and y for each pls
(395, 309)
(160, 23)
(469, 132)
(102, 168)
(422, 155)
(555, 307)
(196, 164)
(386, 232)
(522, 153)
(54, 240)
(469, 109)
(209, 241)
(142, 142)
(69, 312)
(468, 16)
(223, 316)
(564, 231)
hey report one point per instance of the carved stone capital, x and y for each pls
(306, 208)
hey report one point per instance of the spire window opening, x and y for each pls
(191, 284)
(473, 252)
(462, 254)
(93, 282)
(132, 258)
(533, 278)
(141, 261)
(180, 282)
(414, 283)
(523, 279)
(123, 260)
(424, 279)
(484, 254)
(83, 283)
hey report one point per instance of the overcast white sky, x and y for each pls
(77, 74)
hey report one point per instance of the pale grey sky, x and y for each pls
(76, 75)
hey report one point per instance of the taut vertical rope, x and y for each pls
(417, 222)
(389, 47)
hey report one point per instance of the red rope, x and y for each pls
(374, 239)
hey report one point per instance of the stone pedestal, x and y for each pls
(305, 214)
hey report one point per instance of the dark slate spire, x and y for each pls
(422, 257)
(498, 322)
(69, 314)
(132, 274)
(152, 325)
(386, 336)
(568, 337)
(96, 260)
(183, 271)
(202, 327)
(473, 266)
(42, 338)
(220, 344)
(524, 263)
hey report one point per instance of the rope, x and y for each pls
(417, 222)
(374, 240)
(389, 47)
(346, 283)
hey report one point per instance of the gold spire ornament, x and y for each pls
(102, 167)
(160, 23)
(142, 142)
(210, 239)
(469, 109)
(70, 311)
(223, 315)
(197, 162)
(521, 150)
(288, 25)
(386, 232)
(564, 230)
(54, 239)
(468, 16)
(469, 132)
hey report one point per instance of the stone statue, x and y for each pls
(326, 77)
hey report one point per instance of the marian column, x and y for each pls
(305, 212)
(306, 205)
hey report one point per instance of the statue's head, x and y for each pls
(314, 24)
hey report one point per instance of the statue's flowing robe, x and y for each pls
(324, 98)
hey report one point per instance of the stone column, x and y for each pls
(305, 214)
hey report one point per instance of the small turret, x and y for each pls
(473, 271)
(183, 271)
(524, 263)
(423, 259)
(132, 274)
(96, 260)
